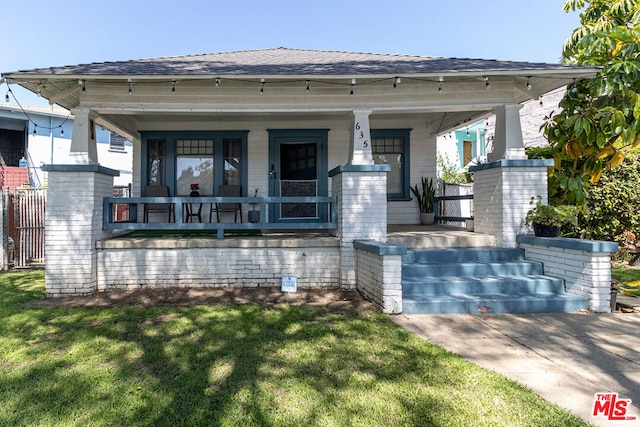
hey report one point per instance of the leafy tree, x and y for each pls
(600, 117)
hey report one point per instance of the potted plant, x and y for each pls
(254, 213)
(425, 197)
(547, 220)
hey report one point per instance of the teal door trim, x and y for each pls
(278, 137)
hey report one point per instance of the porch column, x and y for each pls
(502, 192)
(507, 142)
(360, 152)
(74, 225)
(83, 141)
(362, 211)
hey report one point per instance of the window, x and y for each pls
(116, 142)
(209, 159)
(194, 165)
(156, 161)
(232, 161)
(391, 147)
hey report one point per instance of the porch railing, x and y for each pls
(326, 205)
(439, 204)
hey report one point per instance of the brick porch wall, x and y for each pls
(200, 266)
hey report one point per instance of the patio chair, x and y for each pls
(227, 191)
(158, 191)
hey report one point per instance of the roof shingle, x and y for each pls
(286, 61)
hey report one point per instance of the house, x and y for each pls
(33, 136)
(466, 146)
(328, 141)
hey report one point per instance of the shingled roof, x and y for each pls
(286, 61)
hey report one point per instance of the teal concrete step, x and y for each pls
(471, 269)
(484, 254)
(493, 304)
(481, 280)
(488, 284)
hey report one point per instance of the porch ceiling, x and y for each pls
(130, 123)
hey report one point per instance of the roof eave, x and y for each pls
(575, 72)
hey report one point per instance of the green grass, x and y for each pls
(628, 279)
(238, 366)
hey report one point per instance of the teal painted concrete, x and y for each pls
(480, 281)
(573, 244)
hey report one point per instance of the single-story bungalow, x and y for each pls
(324, 144)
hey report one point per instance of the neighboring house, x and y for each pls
(329, 140)
(33, 136)
(466, 146)
(469, 145)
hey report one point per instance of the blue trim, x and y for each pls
(81, 168)
(331, 223)
(507, 163)
(359, 168)
(278, 137)
(379, 248)
(565, 243)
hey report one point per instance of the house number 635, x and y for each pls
(365, 143)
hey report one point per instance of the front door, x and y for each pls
(298, 168)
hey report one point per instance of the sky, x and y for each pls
(44, 33)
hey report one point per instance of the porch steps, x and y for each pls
(480, 280)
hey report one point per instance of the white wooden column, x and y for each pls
(508, 142)
(360, 152)
(83, 142)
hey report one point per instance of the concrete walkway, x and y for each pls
(564, 357)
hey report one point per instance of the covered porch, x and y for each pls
(338, 137)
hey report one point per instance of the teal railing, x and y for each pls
(438, 205)
(326, 219)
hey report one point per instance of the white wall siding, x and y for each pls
(422, 150)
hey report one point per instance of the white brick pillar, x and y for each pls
(502, 192)
(73, 225)
(362, 211)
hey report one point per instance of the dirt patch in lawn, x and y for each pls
(179, 297)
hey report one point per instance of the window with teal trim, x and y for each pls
(391, 147)
(156, 161)
(207, 158)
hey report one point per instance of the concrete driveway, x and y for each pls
(564, 357)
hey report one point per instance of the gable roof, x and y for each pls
(286, 61)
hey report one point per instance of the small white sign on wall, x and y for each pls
(289, 284)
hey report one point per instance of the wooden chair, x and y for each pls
(158, 191)
(236, 208)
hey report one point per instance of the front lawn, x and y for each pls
(627, 279)
(238, 365)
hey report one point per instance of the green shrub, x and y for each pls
(612, 203)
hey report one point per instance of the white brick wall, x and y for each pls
(73, 225)
(584, 273)
(129, 268)
(362, 215)
(501, 200)
(379, 279)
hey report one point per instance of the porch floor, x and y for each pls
(437, 236)
(413, 236)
